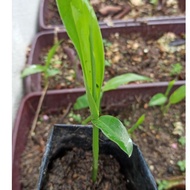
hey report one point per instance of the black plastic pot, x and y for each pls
(65, 137)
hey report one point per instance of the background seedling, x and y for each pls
(182, 141)
(48, 70)
(165, 101)
(111, 84)
(107, 63)
(176, 69)
(137, 124)
(75, 117)
(181, 165)
(171, 183)
(162, 184)
(106, 43)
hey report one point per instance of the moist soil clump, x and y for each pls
(73, 171)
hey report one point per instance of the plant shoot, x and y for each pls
(83, 29)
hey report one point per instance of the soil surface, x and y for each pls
(161, 59)
(158, 137)
(109, 10)
(76, 167)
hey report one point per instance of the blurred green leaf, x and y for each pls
(51, 53)
(154, 2)
(117, 81)
(182, 140)
(176, 69)
(137, 124)
(32, 69)
(81, 102)
(52, 72)
(170, 85)
(107, 63)
(158, 100)
(162, 184)
(181, 165)
(178, 95)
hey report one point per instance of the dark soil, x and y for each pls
(154, 58)
(110, 10)
(73, 171)
(158, 138)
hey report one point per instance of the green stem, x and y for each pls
(88, 119)
(167, 108)
(95, 150)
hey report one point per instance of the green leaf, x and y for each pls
(137, 124)
(154, 2)
(158, 100)
(176, 69)
(57, 62)
(123, 79)
(52, 72)
(32, 69)
(83, 29)
(170, 85)
(178, 95)
(181, 164)
(81, 102)
(182, 140)
(162, 184)
(51, 53)
(107, 63)
(115, 131)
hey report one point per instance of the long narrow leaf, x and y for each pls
(83, 29)
(110, 85)
(51, 53)
(32, 69)
(123, 79)
(170, 85)
(137, 124)
(115, 131)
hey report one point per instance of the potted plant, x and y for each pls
(53, 102)
(110, 13)
(90, 50)
(155, 49)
